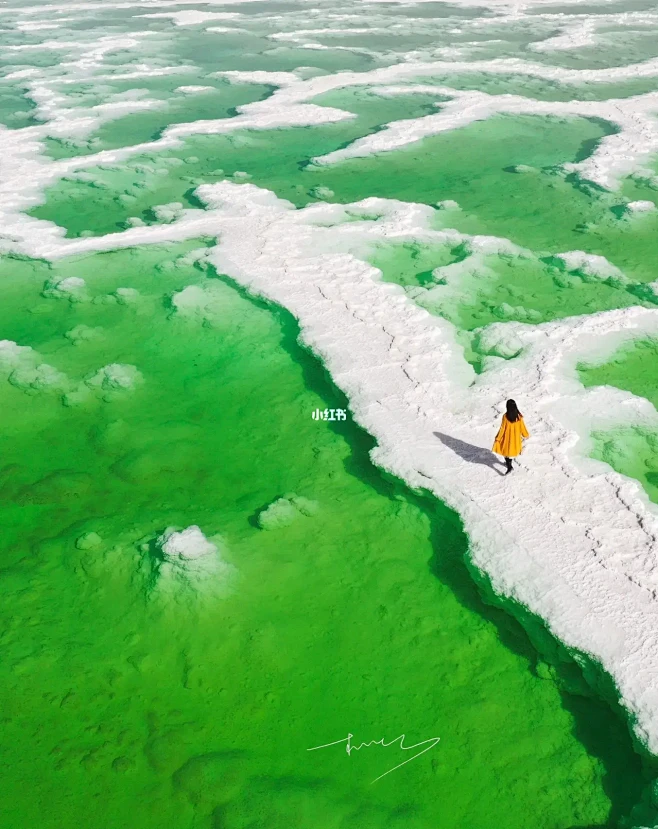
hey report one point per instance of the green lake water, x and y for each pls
(631, 451)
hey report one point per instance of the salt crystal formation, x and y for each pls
(115, 377)
(285, 511)
(642, 206)
(320, 192)
(188, 562)
(199, 302)
(73, 288)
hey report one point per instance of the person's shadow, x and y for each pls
(470, 453)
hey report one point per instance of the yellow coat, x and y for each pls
(508, 440)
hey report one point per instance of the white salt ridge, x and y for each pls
(571, 37)
(590, 264)
(582, 557)
(615, 155)
(223, 30)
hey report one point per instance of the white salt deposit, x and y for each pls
(187, 544)
(127, 296)
(190, 563)
(193, 90)
(286, 510)
(201, 302)
(168, 212)
(643, 206)
(193, 17)
(11, 354)
(83, 333)
(42, 377)
(590, 265)
(23, 368)
(115, 377)
(72, 288)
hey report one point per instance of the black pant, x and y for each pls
(508, 463)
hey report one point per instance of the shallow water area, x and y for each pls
(631, 451)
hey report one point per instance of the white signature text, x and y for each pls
(349, 748)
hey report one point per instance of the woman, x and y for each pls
(508, 441)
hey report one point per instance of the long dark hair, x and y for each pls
(513, 413)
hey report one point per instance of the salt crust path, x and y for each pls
(565, 535)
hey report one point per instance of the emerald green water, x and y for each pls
(495, 202)
(517, 289)
(633, 451)
(120, 711)
(437, 168)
